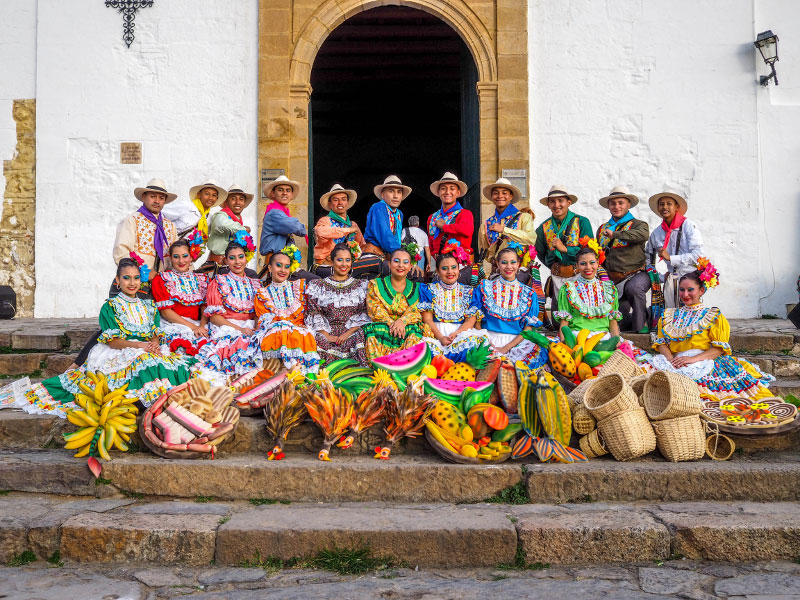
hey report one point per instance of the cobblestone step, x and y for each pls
(424, 479)
(44, 363)
(424, 535)
(782, 366)
(46, 334)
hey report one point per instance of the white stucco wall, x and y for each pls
(186, 89)
(652, 93)
(18, 78)
(779, 143)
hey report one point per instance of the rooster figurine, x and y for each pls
(332, 411)
(283, 411)
(405, 415)
(370, 406)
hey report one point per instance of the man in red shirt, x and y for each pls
(451, 221)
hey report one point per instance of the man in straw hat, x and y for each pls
(382, 235)
(677, 242)
(508, 225)
(279, 226)
(194, 212)
(452, 221)
(335, 228)
(624, 238)
(224, 227)
(557, 239)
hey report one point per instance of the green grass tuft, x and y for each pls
(203, 499)
(262, 501)
(55, 559)
(129, 494)
(102, 481)
(351, 561)
(5, 492)
(521, 563)
(770, 316)
(224, 520)
(22, 558)
(516, 494)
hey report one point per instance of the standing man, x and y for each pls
(278, 225)
(420, 238)
(451, 221)
(624, 238)
(677, 242)
(557, 239)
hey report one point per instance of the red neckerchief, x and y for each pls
(230, 213)
(674, 226)
(278, 206)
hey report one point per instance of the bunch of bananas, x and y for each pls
(106, 419)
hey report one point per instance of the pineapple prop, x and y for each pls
(467, 370)
(405, 415)
(283, 411)
(332, 411)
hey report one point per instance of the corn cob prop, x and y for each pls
(283, 412)
(106, 419)
(546, 419)
(331, 409)
(576, 358)
(406, 413)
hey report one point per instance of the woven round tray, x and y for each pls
(451, 456)
(608, 396)
(670, 395)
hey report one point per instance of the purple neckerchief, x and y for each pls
(160, 237)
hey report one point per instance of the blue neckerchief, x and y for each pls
(612, 223)
(509, 212)
(448, 215)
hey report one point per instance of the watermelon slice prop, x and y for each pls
(450, 391)
(403, 363)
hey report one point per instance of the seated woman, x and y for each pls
(180, 294)
(280, 310)
(586, 301)
(694, 340)
(337, 310)
(510, 307)
(450, 311)
(392, 304)
(129, 351)
(229, 308)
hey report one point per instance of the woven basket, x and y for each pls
(609, 396)
(592, 445)
(579, 392)
(680, 439)
(628, 435)
(670, 395)
(621, 364)
(582, 420)
(719, 447)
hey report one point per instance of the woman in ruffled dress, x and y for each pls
(180, 294)
(230, 310)
(393, 306)
(508, 308)
(129, 351)
(450, 310)
(337, 310)
(280, 310)
(694, 340)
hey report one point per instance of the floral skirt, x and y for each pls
(463, 342)
(294, 346)
(723, 378)
(379, 342)
(529, 353)
(180, 338)
(228, 353)
(147, 375)
(353, 347)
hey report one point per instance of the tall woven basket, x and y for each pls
(579, 392)
(621, 364)
(608, 396)
(582, 420)
(628, 434)
(670, 395)
(592, 445)
(681, 439)
(637, 385)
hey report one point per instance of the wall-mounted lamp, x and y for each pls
(767, 44)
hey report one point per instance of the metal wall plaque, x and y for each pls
(519, 178)
(130, 153)
(268, 176)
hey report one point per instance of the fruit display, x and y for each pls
(105, 419)
(470, 437)
(454, 392)
(406, 413)
(403, 363)
(190, 420)
(577, 358)
(546, 420)
(467, 370)
(282, 413)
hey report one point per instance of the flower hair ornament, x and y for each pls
(246, 240)
(708, 272)
(413, 250)
(453, 246)
(144, 270)
(594, 246)
(293, 252)
(196, 242)
(355, 249)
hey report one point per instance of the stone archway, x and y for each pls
(292, 31)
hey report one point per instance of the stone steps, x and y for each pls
(424, 535)
(405, 479)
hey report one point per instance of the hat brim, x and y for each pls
(222, 192)
(273, 184)
(634, 200)
(378, 189)
(463, 187)
(516, 194)
(683, 206)
(248, 198)
(324, 200)
(139, 192)
(572, 198)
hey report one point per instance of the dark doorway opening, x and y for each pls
(394, 92)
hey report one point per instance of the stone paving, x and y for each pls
(646, 581)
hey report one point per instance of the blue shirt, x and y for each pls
(275, 231)
(379, 228)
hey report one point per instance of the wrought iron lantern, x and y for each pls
(767, 44)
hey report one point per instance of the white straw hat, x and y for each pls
(154, 185)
